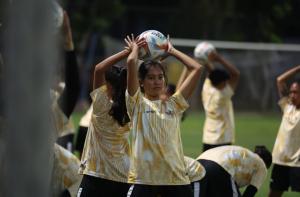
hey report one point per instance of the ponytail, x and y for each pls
(117, 77)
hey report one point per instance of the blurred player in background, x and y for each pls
(65, 94)
(218, 89)
(65, 179)
(286, 151)
(229, 168)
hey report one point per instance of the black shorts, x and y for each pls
(80, 139)
(196, 188)
(94, 187)
(138, 190)
(217, 181)
(284, 177)
(209, 146)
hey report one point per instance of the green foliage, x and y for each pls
(94, 15)
(255, 20)
(232, 19)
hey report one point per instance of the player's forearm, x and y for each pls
(234, 72)
(288, 74)
(281, 80)
(189, 62)
(132, 72)
(108, 62)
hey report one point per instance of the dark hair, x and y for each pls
(171, 88)
(297, 80)
(117, 77)
(144, 69)
(217, 76)
(264, 154)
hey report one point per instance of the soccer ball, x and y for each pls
(202, 50)
(155, 47)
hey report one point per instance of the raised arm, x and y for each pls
(209, 66)
(182, 77)
(132, 63)
(233, 71)
(281, 80)
(193, 69)
(100, 68)
(69, 96)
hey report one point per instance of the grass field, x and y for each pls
(251, 129)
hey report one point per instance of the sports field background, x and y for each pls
(251, 129)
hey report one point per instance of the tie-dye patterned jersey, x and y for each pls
(63, 125)
(219, 121)
(157, 154)
(242, 164)
(64, 174)
(286, 150)
(106, 150)
(194, 169)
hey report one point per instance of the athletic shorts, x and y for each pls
(284, 177)
(95, 186)
(80, 139)
(217, 181)
(138, 190)
(209, 146)
(196, 188)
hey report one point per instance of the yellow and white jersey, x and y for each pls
(64, 174)
(86, 118)
(194, 169)
(219, 125)
(63, 125)
(286, 150)
(106, 150)
(157, 154)
(242, 164)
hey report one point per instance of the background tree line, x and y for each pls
(252, 20)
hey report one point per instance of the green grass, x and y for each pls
(251, 129)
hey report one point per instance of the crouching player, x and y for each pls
(229, 168)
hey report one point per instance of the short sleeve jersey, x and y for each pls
(242, 164)
(219, 125)
(106, 150)
(157, 154)
(194, 169)
(86, 118)
(286, 150)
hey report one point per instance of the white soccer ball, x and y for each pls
(202, 50)
(155, 47)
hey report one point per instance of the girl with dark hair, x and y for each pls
(286, 150)
(157, 163)
(105, 157)
(217, 91)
